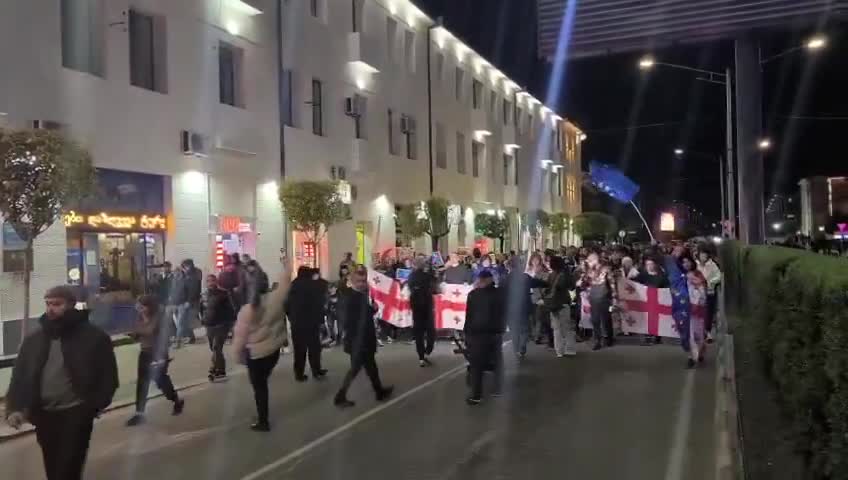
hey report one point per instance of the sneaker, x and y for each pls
(343, 403)
(385, 393)
(301, 378)
(380, 343)
(389, 340)
(422, 363)
(261, 427)
(472, 401)
(320, 374)
(178, 407)
(570, 354)
(560, 355)
(136, 419)
(690, 364)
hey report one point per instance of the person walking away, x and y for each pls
(680, 303)
(305, 309)
(652, 277)
(188, 300)
(219, 315)
(258, 336)
(360, 341)
(152, 359)
(256, 281)
(484, 328)
(597, 278)
(709, 269)
(697, 286)
(558, 303)
(64, 376)
(422, 286)
(517, 287)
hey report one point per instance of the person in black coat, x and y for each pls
(305, 309)
(64, 376)
(360, 341)
(484, 328)
(422, 286)
(519, 303)
(219, 316)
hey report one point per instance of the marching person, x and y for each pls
(64, 376)
(517, 290)
(258, 336)
(712, 273)
(360, 341)
(305, 309)
(188, 291)
(558, 302)
(484, 328)
(681, 310)
(152, 359)
(219, 315)
(422, 286)
(653, 277)
(597, 278)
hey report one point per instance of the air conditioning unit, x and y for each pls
(338, 173)
(194, 143)
(353, 106)
(407, 124)
(46, 125)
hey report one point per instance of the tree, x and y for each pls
(312, 208)
(534, 222)
(595, 224)
(410, 222)
(558, 223)
(438, 221)
(41, 172)
(492, 226)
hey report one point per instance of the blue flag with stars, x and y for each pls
(613, 182)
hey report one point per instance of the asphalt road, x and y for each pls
(629, 412)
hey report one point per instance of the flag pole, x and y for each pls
(643, 221)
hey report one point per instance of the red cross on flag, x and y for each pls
(392, 300)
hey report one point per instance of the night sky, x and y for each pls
(636, 119)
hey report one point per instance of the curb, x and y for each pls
(118, 406)
(729, 457)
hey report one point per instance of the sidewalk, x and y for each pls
(188, 368)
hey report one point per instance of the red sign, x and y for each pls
(228, 224)
(309, 249)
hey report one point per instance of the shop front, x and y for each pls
(232, 234)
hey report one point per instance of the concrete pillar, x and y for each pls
(748, 133)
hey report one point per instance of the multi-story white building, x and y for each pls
(356, 99)
(181, 105)
(129, 79)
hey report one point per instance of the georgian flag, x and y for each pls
(392, 300)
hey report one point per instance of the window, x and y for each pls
(14, 250)
(82, 40)
(515, 167)
(559, 185)
(493, 104)
(460, 153)
(571, 185)
(506, 161)
(411, 137)
(287, 96)
(360, 104)
(314, 8)
(391, 45)
(441, 147)
(507, 111)
(148, 59)
(530, 123)
(390, 125)
(356, 15)
(520, 120)
(477, 94)
(460, 74)
(229, 74)
(557, 136)
(409, 50)
(440, 68)
(476, 153)
(493, 156)
(317, 107)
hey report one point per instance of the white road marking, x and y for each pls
(677, 453)
(356, 421)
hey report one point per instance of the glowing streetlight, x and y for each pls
(816, 43)
(764, 144)
(776, 226)
(646, 62)
(678, 151)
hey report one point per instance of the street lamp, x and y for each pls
(678, 151)
(764, 144)
(647, 62)
(776, 226)
(814, 43)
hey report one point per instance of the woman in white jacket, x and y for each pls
(712, 273)
(258, 336)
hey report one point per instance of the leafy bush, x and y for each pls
(796, 306)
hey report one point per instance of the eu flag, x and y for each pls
(613, 182)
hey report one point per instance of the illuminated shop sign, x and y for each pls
(107, 221)
(233, 224)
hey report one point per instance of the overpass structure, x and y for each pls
(603, 27)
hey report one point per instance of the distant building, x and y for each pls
(782, 214)
(824, 204)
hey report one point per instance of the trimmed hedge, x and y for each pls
(795, 304)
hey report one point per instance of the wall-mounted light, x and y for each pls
(546, 162)
(481, 135)
(509, 148)
(360, 83)
(233, 27)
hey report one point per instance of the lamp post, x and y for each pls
(813, 44)
(648, 62)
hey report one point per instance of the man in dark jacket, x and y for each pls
(484, 328)
(219, 315)
(305, 309)
(422, 286)
(188, 292)
(517, 294)
(64, 376)
(360, 340)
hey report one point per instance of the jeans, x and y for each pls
(64, 436)
(565, 337)
(158, 373)
(217, 336)
(486, 351)
(521, 334)
(712, 308)
(307, 342)
(259, 370)
(357, 363)
(601, 319)
(186, 315)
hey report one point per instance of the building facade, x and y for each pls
(177, 103)
(193, 120)
(380, 92)
(824, 206)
